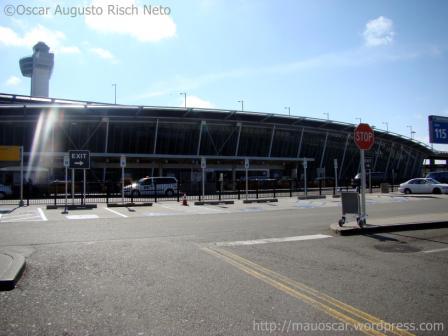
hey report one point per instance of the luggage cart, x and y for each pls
(351, 204)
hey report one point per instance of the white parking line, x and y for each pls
(42, 215)
(435, 251)
(116, 212)
(82, 216)
(272, 240)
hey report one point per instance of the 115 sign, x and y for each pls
(438, 129)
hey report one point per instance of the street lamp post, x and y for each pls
(242, 104)
(289, 110)
(359, 119)
(328, 115)
(185, 98)
(115, 93)
(387, 126)
(410, 130)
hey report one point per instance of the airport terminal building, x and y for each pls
(170, 141)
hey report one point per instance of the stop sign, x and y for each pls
(364, 136)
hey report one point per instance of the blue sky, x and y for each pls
(381, 61)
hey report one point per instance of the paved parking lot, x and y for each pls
(38, 213)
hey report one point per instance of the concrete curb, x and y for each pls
(213, 202)
(261, 200)
(127, 205)
(14, 267)
(351, 231)
(72, 207)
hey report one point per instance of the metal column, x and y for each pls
(343, 156)
(323, 152)
(240, 126)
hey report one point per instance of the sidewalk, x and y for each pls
(392, 224)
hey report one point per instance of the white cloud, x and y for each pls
(143, 27)
(53, 38)
(193, 101)
(103, 53)
(379, 32)
(13, 81)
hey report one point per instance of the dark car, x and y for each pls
(441, 176)
(376, 177)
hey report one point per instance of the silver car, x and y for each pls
(423, 186)
(148, 185)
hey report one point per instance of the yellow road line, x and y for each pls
(307, 294)
(350, 309)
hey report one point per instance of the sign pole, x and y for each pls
(203, 166)
(336, 175)
(363, 187)
(73, 187)
(66, 191)
(66, 164)
(305, 165)
(122, 164)
(21, 177)
(122, 185)
(246, 166)
(84, 187)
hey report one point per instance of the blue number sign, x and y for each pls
(438, 129)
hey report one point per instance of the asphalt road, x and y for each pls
(183, 275)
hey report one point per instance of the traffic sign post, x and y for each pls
(335, 161)
(305, 166)
(122, 165)
(364, 139)
(66, 165)
(246, 167)
(203, 166)
(79, 159)
(438, 129)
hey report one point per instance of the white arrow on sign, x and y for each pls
(79, 163)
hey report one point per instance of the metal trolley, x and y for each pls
(351, 204)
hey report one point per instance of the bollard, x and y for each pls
(199, 191)
(220, 191)
(178, 195)
(290, 188)
(239, 193)
(274, 190)
(107, 193)
(320, 187)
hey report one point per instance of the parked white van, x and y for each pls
(146, 186)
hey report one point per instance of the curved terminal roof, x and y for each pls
(18, 105)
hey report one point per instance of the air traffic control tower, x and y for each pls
(39, 67)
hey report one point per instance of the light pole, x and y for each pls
(289, 110)
(242, 104)
(115, 93)
(358, 119)
(410, 130)
(185, 98)
(387, 126)
(412, 135)
(328, 115)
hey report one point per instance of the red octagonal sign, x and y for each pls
(364, 136)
